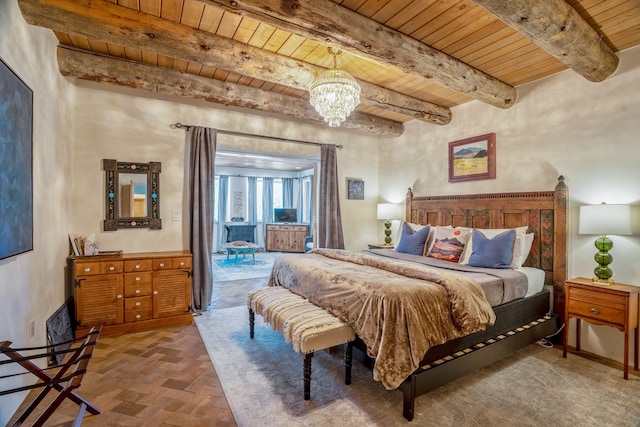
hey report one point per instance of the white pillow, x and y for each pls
(528, 241)
(415, 227)
(518, 248)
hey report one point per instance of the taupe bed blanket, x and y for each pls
(398, 310)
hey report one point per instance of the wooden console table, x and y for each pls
(286, 237)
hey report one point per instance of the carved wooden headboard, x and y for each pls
(544, 212)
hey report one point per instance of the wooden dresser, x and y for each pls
(131, 292)
(285, 237)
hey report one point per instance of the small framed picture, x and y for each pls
(473, 158)
(355, 189)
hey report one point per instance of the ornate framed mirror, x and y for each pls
(132, 195)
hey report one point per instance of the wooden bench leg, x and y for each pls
(307, 376)
(252, 320)
(348, 352)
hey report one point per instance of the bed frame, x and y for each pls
(544, 212)
(518, 323)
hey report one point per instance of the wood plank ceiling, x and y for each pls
(413, 59)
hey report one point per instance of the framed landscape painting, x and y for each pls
(473, 158)
(16, 168)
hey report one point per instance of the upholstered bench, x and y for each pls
(308, 327)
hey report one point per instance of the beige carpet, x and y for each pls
(262, 379)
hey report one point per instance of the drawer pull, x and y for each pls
(119, 295)
(137, 291)
(87, 269)
(137, 279)
(138, 303)
(111, 268)
(162, 264)
(594, 311)
(181, 263)
(137, 266)
(138, 316)
(155, 292)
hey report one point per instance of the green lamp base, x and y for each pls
(387, 232)
(603, 272)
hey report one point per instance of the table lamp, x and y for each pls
(388, 212)
(601, 220)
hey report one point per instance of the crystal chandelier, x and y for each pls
(334, 94)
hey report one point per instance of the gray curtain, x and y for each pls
(267, 204)
(253, 199)
(312, 186)
(329, 220)
(299, 201)
(223, 192)
(287, 192)
(202, 153)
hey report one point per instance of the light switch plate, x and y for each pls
(176, 215)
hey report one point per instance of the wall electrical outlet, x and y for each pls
(32, 328)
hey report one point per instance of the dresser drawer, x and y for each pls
(87, 268)
(603, 313)
(104, 267)
(181, 263)
(137, 289)
(133, 279)
(596, 296)
(137, 309)
(108, 267)
(163, 264)
(137, 265)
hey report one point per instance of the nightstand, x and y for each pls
(613, 305)
(380, 246)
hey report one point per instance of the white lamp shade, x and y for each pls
(388, 211)
(605, 219)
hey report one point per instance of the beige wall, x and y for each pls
(129, 125)
(562, 125)
(32, 284)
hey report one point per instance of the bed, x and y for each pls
(421, 325)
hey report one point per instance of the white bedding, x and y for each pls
(535, 280)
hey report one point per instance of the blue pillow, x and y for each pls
(492, 253)
(412, 242)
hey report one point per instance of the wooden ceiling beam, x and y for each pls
(166, 81)
(560, 30)
(107, 22)
(333, 25)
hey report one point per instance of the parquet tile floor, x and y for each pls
(162, 377)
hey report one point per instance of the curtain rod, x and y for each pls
(179, 125)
